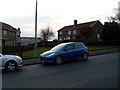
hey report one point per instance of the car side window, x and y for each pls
(69, 47)
(77, 45)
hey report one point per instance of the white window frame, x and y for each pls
(74, 31)
(69, 32)
(5, 32)
(68, 38)
(98, 35)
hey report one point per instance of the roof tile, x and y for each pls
(78, 26)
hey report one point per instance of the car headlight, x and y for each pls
(18, 57)
(51, 55)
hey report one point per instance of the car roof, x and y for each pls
(70, 43)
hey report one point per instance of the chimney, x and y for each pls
(75, 22)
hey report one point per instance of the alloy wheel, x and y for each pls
(85, 56)
(59, 60)
(11, 66)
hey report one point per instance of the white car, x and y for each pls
(10, 62)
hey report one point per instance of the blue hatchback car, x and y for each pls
(64, 52)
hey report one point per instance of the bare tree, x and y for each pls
(46, 33)
(117, 14)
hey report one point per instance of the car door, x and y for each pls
(68, 52)
(78, 50)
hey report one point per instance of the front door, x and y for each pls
(68, 52)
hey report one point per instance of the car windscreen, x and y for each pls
(58, 47)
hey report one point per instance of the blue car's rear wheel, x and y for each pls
(59, 60)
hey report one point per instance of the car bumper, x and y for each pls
(47, 60)
(20, 65)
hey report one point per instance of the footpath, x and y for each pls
(33, 61)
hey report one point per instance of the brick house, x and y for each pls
(8, 34)
(86, 32)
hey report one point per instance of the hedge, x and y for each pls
(17, 48)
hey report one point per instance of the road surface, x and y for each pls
(99, 71)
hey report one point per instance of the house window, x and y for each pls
(64, 38)
(60, 39)
(69, 32)
(60, 33)
(74, 31)
(68, 38)
(98, 35)
(5, 32)
(74, 37)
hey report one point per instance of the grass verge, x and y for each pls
(97, 48)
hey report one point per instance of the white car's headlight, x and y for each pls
(18, 57)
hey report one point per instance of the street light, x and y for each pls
(35, 49)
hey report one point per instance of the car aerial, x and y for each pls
(10, 62)
(65, 51)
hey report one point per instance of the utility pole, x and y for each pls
(35, 49)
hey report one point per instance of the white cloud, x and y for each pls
(57, 13)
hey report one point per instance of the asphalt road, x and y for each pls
(99, 71)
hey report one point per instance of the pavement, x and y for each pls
(33, 61)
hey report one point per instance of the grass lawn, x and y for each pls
(30, 54)
(96, 48)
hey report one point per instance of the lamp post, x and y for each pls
(35, 49)
(18, 41)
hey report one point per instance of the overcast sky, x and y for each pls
(56, 13)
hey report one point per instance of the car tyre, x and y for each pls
(85, 56)
(59, 60)
(11, 66)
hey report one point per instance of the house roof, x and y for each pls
(6, 26)
(78, 26)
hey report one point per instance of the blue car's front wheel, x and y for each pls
(59, 60)
(85, 56)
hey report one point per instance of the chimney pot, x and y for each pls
(75, 22)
